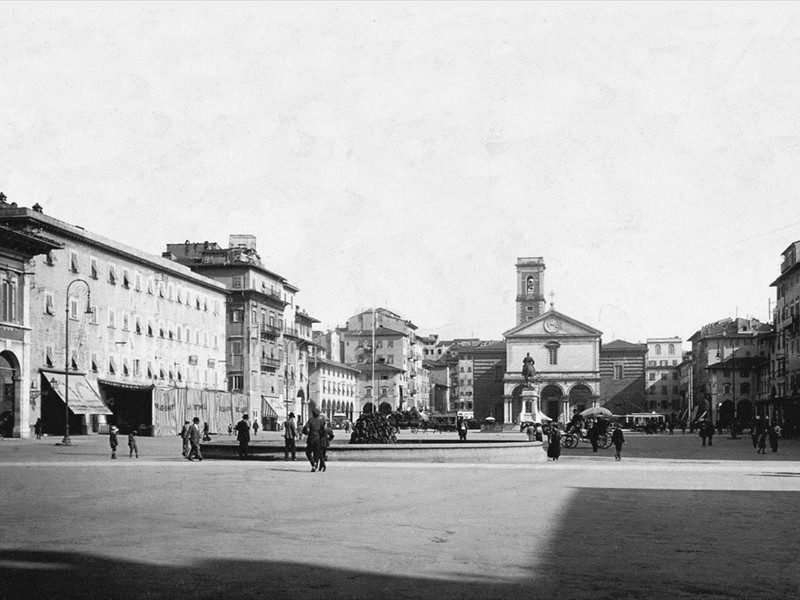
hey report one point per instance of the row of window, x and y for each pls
(670, 349)
(675, 375)
(139, 325)
(660, 363)
(664, 389)
(135, 280)
(127, 367)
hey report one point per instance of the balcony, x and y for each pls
(269, 363)
(269, 331)
(295, 332)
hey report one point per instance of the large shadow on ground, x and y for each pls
(608, 544)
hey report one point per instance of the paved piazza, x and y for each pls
(715, 522)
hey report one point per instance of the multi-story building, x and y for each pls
(267, 335)
(726, 357)
(384, 347)
(785, 368)
(333, 386)
(17, 248)
(138, 339)
(439, 377)
(622, 377)
(662, 376)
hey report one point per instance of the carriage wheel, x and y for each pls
(414, 429)
(605, 442)
(570, 441)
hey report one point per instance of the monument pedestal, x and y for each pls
(530, 405)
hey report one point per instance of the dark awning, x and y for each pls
(126, 385)
(83, 398)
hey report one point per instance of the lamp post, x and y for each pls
(66, 441)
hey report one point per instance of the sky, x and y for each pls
(404, 155)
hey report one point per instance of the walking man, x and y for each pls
(617, 438)
(195, 435)
(289, 437)
(314, 429)
(243, 435)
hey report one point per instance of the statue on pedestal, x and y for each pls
(528, 370)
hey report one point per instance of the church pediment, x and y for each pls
(552, 324)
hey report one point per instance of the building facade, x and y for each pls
(267, 336)
(622, 377)
(384, 348)
(726, 356)
(136, 339)
(17, 249)
(662, 375)
(567, 362)
(784, 389)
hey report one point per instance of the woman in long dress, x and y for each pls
(554, 442)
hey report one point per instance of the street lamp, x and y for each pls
(66, 441)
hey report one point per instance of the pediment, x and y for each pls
(552, 324)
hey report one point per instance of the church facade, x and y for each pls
(565, 351)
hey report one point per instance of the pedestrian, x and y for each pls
(762, 440)
(230, 428)
(37, 429)
(255, 427)
(132, 443)
(593, 435)
(112, 440)
(617, 438)
(755, 428)
(462, 429)
(554, 442)
(313, 430)
(185, 438)
(774, 436)
(710, 432)
(289, 437)
(243, 435)
(206, 435)
(701, 431)
(195, 436)
(530, 431)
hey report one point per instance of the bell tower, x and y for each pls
(530, 288)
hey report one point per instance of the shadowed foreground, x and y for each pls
(609, 543)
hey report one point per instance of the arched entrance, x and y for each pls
(580, 397)
(550, 398)
(385, 408)
(367, 408)
(745, 413)
(725, 414)
(9, 400)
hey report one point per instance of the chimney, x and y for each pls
(37, 207)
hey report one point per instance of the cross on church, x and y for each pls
(552, 295)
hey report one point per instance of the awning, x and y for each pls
(120, 384)
(83, 398)
(268, 411)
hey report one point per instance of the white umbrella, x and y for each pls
(597, 411)
(540, 417)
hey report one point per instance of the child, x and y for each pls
(132, 443)
(112, 440)
(617, 438)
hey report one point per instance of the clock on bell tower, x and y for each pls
(530, 288)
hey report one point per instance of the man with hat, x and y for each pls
(195, 436)
(243, 435)
(289, 437)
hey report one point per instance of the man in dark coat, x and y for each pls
(243, 435)
(195, 435)
(554, 442)
(314, 429)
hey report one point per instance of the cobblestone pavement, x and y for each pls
(690, 522)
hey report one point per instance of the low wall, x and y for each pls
(475, 452)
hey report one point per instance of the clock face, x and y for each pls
(552, 324)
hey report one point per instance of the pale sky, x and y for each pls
(404, 155)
